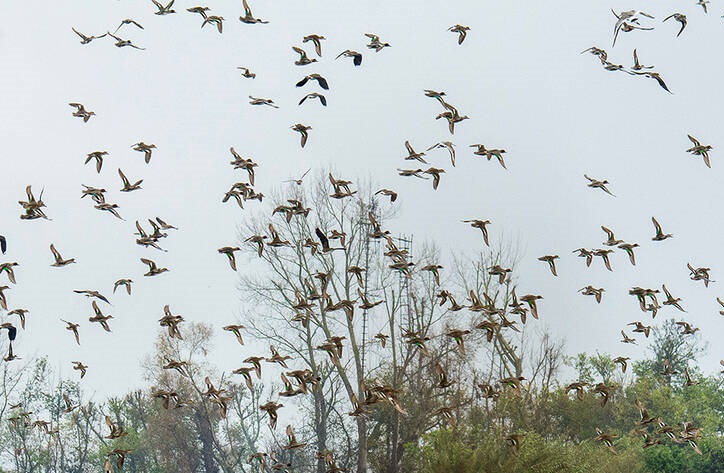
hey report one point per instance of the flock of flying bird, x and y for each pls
(314, 296)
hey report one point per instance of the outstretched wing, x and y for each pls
(322, 238)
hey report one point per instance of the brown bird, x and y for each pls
(314, 95)
(449, 146)
(356, 57)
(261, 101)
(147, 150)
(59, 261)
(641, 328)
(412, 154)
(116, 431)
(78, 366)
(85, 40)
(127, 186)
(461, 30)
(21, 314)
(700, 150)
(687, 328)
(681, 18)
(316, 40)
(98, 156)
(164, 9)
(100, 318)
(249, 17)
(229, 252)
(200, 10)
(303, 59)
(235, 329)
(215, 19)
(592, 291)
(578, 386)
(292, 443)
(622, 360)
(435, 173)
(660, 235)
(8, 268)
(303, 130)
(123, 282)
(73, 328)
(153, 270)
(271, 408)
(604, 255)
(80, 110)
(482, 225)
(550, 259)
(388, 192)
(629, 249)
(595, 183)
(627, 339)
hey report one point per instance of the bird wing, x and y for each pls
(123, 178)
(303, 81)
(694, 140)
(323, 83)
(322, 238)
(3, 244)
(661, 82)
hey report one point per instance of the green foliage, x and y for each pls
(446, 451)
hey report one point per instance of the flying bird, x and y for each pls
(449, 146)
(700, 150)
(681, 18)
(260, 101)
(120, 43)
(660, 235)
(229, 252)
(461, 30)
(482, 225)
(303, 59)
(316, 40)
(200, 10)
(127, 186)
(123, 282)
(217, 20)
(248, 17)
(320, 80)
(163, 9)
(145, 149)
(314, 95)
(375, 42)
(302, 129)
(356, 57)
(59, 261)
(86, 39)
(128, 21)
(245, 72)
(637, 65)
(596, 184)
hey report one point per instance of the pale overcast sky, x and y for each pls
(518, 75)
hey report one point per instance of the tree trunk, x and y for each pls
(362, 444)
(320, 427)
(207, 441)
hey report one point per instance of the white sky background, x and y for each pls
(519, 76)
